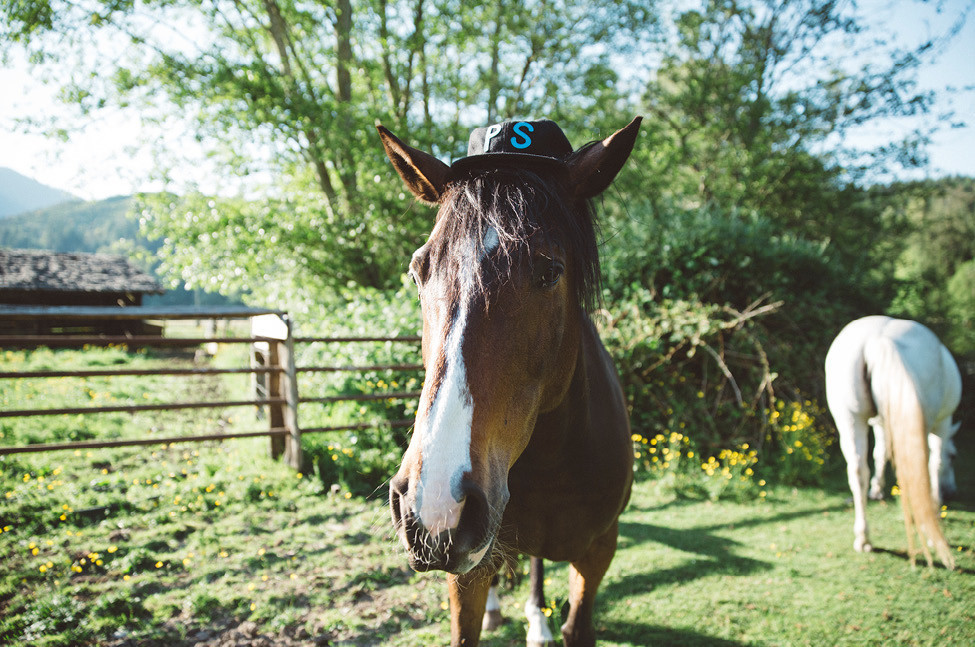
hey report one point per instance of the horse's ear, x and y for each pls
(424, 174)
(593, 167)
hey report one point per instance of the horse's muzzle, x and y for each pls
(457, 550)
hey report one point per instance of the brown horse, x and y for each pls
(521, 443)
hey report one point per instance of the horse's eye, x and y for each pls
(549, 274)
(420, 265)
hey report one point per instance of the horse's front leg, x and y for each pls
(584, 578)
(468, 598)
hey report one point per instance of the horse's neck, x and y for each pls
(562, 429)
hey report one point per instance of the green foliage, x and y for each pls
(672, 361)
(798, 440)
(710, 315)
(722, 256)
(933, 254)
(55, 620)
(290, 92)
(751, 102)
(960, 301)
(359, 463)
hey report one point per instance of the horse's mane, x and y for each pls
(520, 204)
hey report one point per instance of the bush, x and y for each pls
(714, 320)
(357, 463)
(690, 368)
(798, 442)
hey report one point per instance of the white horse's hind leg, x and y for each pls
(934, 466)
(539, 635)
(492, 611)
(881, 454)
(946, 475)
(949, 487)
(853, 442)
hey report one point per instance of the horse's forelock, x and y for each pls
(518, 204)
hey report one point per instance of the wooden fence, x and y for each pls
(273, 363)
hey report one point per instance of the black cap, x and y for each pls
(516, 142)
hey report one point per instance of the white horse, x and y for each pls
(895, 376)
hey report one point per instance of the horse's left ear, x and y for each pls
(593, 167)
(424, 174)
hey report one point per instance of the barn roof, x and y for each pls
(30, 270)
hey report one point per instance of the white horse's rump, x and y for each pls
(896, 377)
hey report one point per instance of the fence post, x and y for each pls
(284, 385)
(275, 388)
(292, 450)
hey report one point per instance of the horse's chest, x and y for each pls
(556, 512)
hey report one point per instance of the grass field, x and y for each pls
(218, 545)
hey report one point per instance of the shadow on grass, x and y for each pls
(717, 554)
(645, 634)
(625, 633)
(698, 539)
(902, 554)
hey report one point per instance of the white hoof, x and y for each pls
(862, 546)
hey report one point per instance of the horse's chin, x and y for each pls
(454, 562)
(458, 549)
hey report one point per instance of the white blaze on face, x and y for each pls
(444, 434)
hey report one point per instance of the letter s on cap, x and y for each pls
(525, 140)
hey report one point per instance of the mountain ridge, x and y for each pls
(20, 194)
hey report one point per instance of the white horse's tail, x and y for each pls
(903, 418)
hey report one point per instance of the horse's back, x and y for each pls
(930, 364)
(862, 353)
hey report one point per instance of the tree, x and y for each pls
(289, 90)
(752, 105)
(933, 254)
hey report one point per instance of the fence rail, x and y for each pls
(134, 371)
(272, 361)
(136, 442)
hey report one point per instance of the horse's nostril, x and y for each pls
(395, 501)
(475, 522)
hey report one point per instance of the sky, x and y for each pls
(103, 161)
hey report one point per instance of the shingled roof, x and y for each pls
(27, 269)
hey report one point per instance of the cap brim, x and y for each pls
(499, 160)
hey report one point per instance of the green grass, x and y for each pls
(189, 543)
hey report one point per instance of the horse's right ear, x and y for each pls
(425, 176)
(593, 167)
